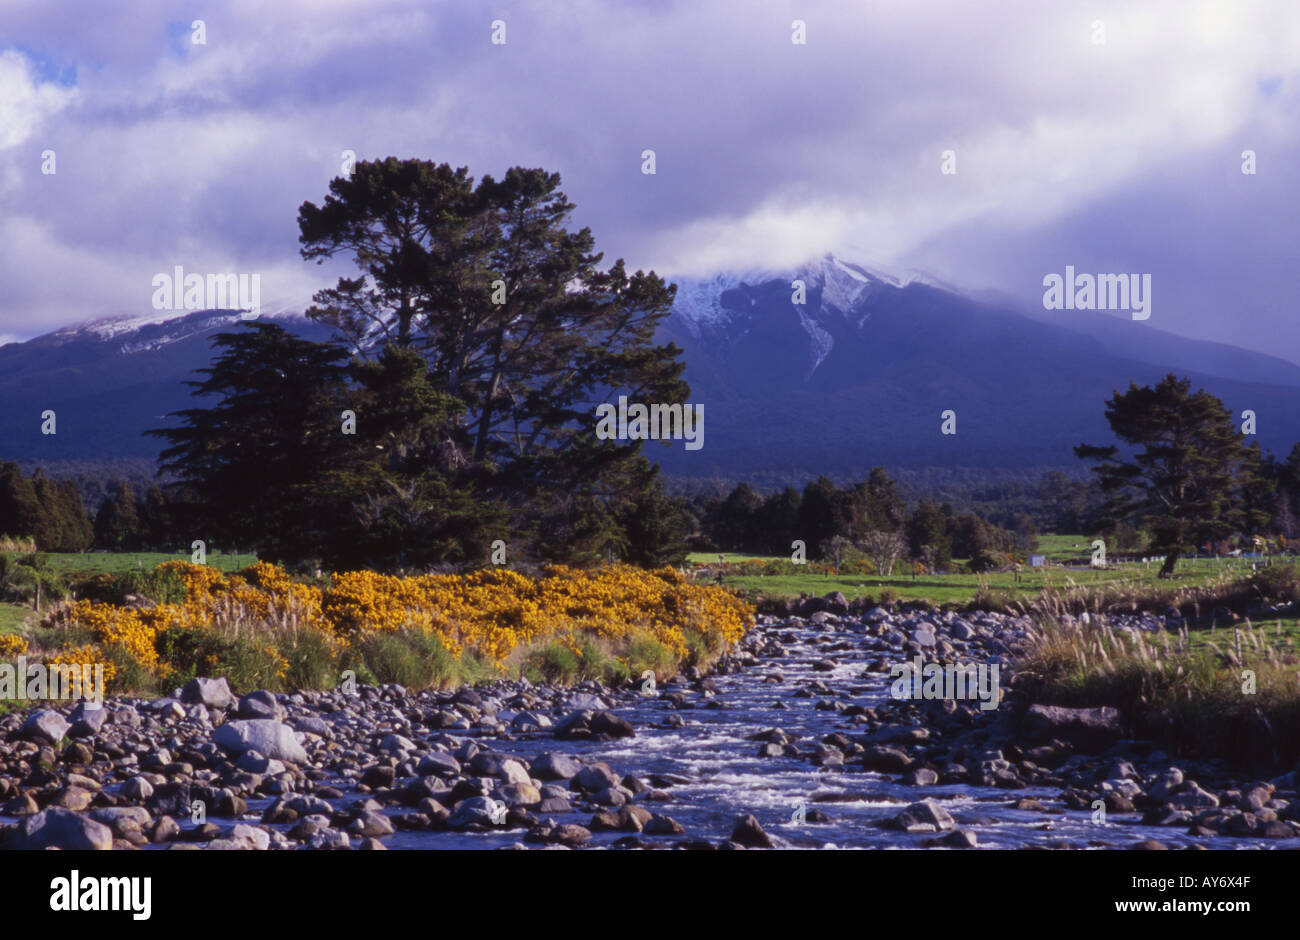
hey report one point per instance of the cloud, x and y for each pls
(25, 102)
(767, 152)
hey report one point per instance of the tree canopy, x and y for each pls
(1185, 470)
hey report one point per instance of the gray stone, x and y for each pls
(371, 825)
(476, 809)
(63, 829)
(749, 833)
(593, 778)
(316, 726)
(439, 763)
(269, 738)
(256, 763)
(1090, 730)
(552, 766)
(396, 742)
(1191, 796)
(260, 704)
(211, 693)
(1165, 784)
(926, 816)
(138, 789)
(250, 837)
(87, 720)
(44, 727)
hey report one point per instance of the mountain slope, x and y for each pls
(860, 374)
(107, 382)
(856, 376)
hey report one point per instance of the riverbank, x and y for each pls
(792, 739)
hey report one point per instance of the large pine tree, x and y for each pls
(1184, 470)
(517, 322)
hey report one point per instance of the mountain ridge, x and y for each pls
(857, 375)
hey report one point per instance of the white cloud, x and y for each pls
(25, 102)
(768, 152)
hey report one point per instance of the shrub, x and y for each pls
(262, 629)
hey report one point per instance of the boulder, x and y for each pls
(260, 704)
(926, 816)
(44, 727)
(552, 766)
(211, 693)
(269, 738)
(749, 833)
(87, 720)
(1090, 730)
(57, 828)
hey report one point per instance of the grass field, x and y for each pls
(960, 587)
(13, 616)
(122, 562)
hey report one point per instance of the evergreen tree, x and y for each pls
(247, 468)
(1184, 479)
(157, 528)
(656, 526)
(515, 318)
(818, 511)
(117, 524)
(778, 524)
(402, 493)
(20, 510)
(927, 536)
(731, 522)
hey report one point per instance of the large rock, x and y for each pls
(63, 829)
(260, 704)
(926, 816)
(594, 777)
(440, 763)
(212, 693)
(1166, 783)
(269, 738)
(477, 809)
(1190, 796)
(750, 834)
(170, 799)
(44, 727)
(501, 766)
(552, 766)
(87, 720)
(610, 724)
(1090, 730)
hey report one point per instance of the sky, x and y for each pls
(1108, 136)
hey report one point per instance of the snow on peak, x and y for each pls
(842, 284)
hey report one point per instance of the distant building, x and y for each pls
(1037, 561)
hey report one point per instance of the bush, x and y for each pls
(411, 658)
(262, 629)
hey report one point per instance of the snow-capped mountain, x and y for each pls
(110, 379)
(855, 375)
(718, 310)
(859, 372)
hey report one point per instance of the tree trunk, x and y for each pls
(1171, 559)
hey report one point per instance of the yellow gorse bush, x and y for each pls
(490, 612)
(11, 645)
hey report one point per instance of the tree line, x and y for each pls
(870, 517)
(52, 515)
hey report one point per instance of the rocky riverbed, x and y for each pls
(792, 740)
